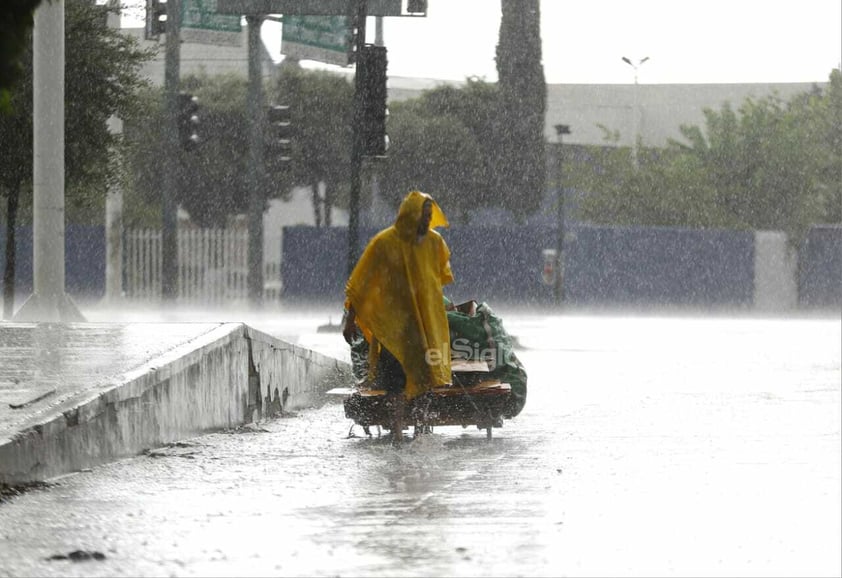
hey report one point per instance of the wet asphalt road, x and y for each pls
(647, 447)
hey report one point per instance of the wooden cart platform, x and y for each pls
(473, 399)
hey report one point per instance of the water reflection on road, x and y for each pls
(647, 447)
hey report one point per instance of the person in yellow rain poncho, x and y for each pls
(394, 295)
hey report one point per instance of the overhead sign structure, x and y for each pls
(202, 23)
(321, 7)
(321, 38)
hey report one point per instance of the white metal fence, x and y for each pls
(212, 266)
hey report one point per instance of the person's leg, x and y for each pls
(392, 378)
(398, 407)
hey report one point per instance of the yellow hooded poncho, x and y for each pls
(396, 292)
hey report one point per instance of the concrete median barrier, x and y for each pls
(224, 378)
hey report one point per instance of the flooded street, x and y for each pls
(647, 447)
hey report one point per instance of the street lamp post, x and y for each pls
(635, 108)
(560, 129)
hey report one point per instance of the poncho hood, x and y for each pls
(409, 214)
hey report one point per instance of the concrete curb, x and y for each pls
(229, 376)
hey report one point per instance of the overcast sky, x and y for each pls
(686, 41)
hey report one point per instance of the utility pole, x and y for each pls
(169, 208)
(560, 129)
(48, 301)
(357, 146)
(635, 110)
(114, 205)
(256, 171)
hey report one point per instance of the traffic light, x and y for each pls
(372, 66)
(353, 38)
(156, 19)
(188, 121)
(279, 141)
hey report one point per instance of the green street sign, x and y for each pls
(201, 23)
(321, 38)
(313, 7)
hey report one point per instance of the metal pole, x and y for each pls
(561, 129)
(114, 205)
(257, 195)
(378, 31)
(357, 146)
(48, 160)
(48, 301)
(114, 232)
(169, 207)
(636, 128)
(635, 109)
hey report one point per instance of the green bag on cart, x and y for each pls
(477, 333)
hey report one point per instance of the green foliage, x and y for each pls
(212, 180)
(143, 162)
(437, 155)
(768, 165)
(523, 95)
(16, 137)
(101, 78)
(476, 107)
(16, 21)
(443, 143)
(321, 107)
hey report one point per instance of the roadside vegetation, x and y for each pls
(761, 164)
(767, 164)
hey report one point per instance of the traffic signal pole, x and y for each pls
(358, 9)
(357, 146)
(256, 115)
(169, 229)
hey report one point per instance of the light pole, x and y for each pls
(560, 129)
(635, 111)
(256, 172)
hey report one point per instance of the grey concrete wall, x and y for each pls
(292, 377)
(775, 272)
(232, 376)
(820, 278)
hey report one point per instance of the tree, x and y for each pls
(434, 154)
(102, 78)
(16, 21)
(523, 103)
(476, 106)
(212, 179)
(212, 183)
(769, 164)
(822, 112)
(322, 116)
